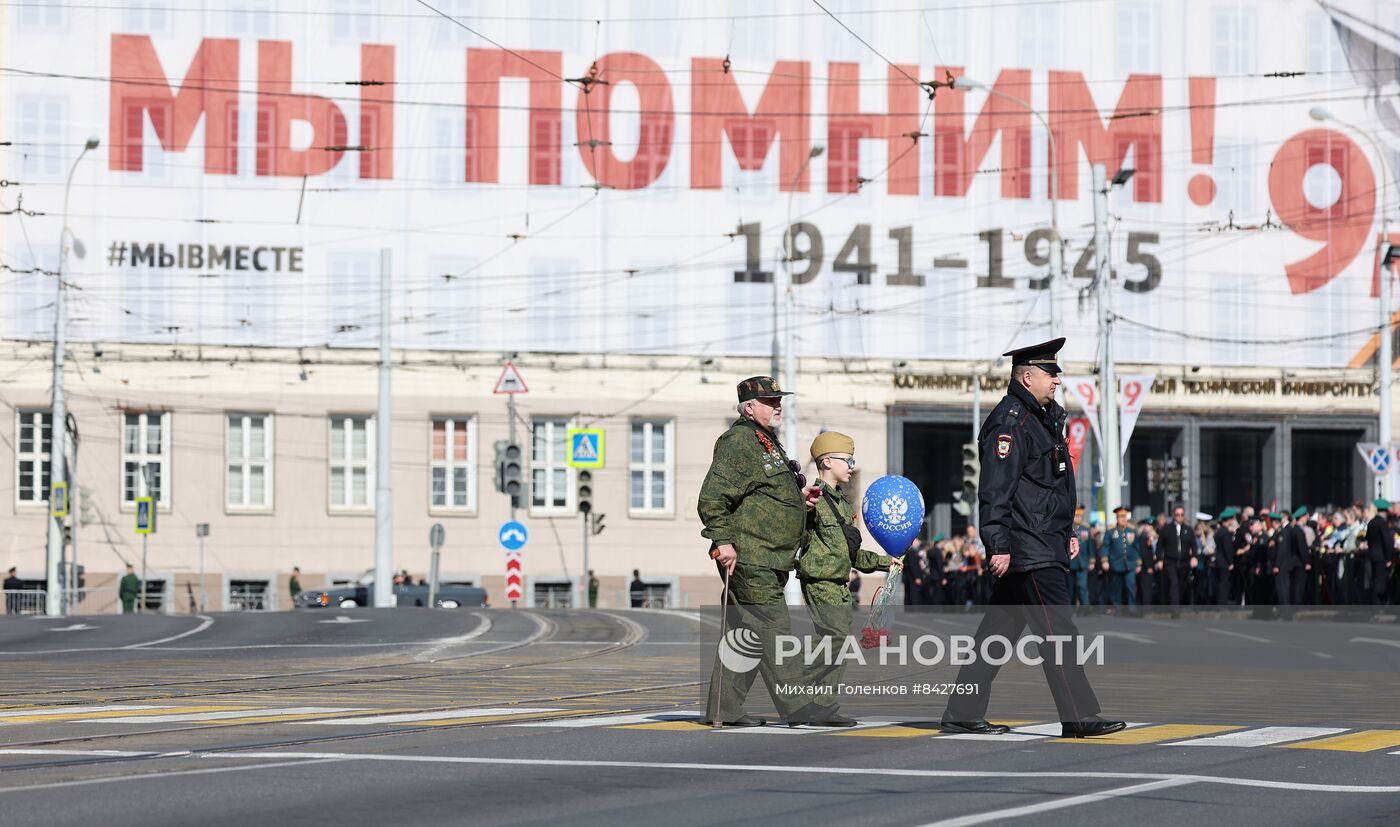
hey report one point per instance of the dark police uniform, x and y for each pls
(1027, 498)
(1224, 557)
(1290, 555)
(1380, 545)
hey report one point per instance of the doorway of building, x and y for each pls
(1327, 469)
(1154, 444)
(1236, 468)
(933, 461)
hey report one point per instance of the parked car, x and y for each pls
(449, 596)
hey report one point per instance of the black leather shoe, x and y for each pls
(741, 721)
(1090, 728)
(814, 715)
(973, 728)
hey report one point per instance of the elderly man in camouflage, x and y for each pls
(754, 505)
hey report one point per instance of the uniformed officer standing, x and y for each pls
(1224, 562)
(1245, 537)
(1116, 542)
(1178, 555)
(129, 589)
(829, 552)
(1290, 557)
(1146, 547)
(1380, 545)
(754, 508)
(1026, 498)
(1079, 564)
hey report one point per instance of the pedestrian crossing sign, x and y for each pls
(585, 448)
(58, 500)
(145, 515)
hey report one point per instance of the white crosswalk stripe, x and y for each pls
(1260, 737)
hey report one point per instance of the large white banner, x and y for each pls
(1132, 393)
(622, 176)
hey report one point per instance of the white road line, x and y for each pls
(1058, 803)
(1381, 641)
(895, 772)
(86, 753)
(121, 779)
(410, 717)
(208, 621)
(481, 628)
(1323, 655)
(1261, 737)
(1240, 635)
(217, 716)
(76, 710)
(616, 720)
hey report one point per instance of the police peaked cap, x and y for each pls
(1043, 355)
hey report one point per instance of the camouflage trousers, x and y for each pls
(830, 604)
(755, 616)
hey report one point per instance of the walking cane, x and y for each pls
(717, 695)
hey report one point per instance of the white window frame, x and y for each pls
(251, 17)
(1234, 40)
(43, 15)
(139, 14)
(368, 462)
(454, 421)
(142, 457)
(1137, 42)
(247, 461)
(649, 466)
(41, 126)
(33, 418)
(353, 21)
(553, 425)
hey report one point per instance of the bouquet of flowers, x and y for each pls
(877, 626)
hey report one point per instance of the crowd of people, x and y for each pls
(1333, 556)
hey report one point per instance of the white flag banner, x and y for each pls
(1133, 391)
(1085, 389)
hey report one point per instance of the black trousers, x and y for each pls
(1040, 600)
(1288, 586)
(1222, 587)
(1178, 581)
(1380, 578)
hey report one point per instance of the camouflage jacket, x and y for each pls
(751, 500)
(826, 554)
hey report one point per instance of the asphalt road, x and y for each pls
(588, 717)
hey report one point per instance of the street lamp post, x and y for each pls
(53, 605)
(1057, 250)
(1384, 357)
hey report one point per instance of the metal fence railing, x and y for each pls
(25, 601)
(75, 601)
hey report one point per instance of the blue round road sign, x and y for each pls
(513, 535)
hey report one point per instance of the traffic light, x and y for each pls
(500, 478)
(585, 492)
(971, 471)
(512, 475)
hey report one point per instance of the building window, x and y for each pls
(550, 477)
(151, 16)
(1135, 38)
(146, 457)
(146, 315)
(1321, 48)
(943, 36)
(352, 300)
(352, 472)
(1234, 41)
(454, 462)
(1234, 178)
(43, 122)
(249, 461)
(353, 19)
(652, 466)
(449, 162)
(1039, 36)
(32, 456)
(251, 17)
(43, 14)
(448, 33)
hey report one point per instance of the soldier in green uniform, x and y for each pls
(592, 590)
(129, 590)
(294, 585)
(830, 550)
(1121, 575)
(754, 504)
(1079, 564)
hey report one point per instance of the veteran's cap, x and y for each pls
(1122, 509)
(760, 387)
(1382, 504)
(1300, 512)
(1229, 512)
(1042, 356)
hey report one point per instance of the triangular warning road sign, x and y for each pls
(510, 381)
(586, 448)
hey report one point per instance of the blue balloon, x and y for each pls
(893, 509)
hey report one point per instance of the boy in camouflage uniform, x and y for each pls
(831, 550)
(754, 507)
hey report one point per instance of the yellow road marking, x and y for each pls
(119, 713)
(672, 726)
(1151, 734)
(1364, 741)
(296, 716)
(490, 718)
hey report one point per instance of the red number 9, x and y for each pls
(1344, 226)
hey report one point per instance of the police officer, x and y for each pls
(1116, 542)
(1289, 558)
(1224, 562)
(753, 505)
(1177, 552)
(1380, 545)
(1026, 498)
(1079, 564)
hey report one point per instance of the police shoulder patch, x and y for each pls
(1003, 446)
